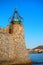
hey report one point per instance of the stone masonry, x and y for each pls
(12, 46)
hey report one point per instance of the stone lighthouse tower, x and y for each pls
(12, 43)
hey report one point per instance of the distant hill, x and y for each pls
(39, 47)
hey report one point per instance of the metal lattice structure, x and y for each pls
(16, 18)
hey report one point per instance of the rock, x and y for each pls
(12, 46)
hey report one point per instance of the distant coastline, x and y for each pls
(38, 49)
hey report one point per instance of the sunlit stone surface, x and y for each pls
(12, 46)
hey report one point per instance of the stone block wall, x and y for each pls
(12, 46)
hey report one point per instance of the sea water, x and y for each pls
(37, 59)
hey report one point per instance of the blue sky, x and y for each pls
(32, 12)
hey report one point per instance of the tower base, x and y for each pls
(13, 48)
